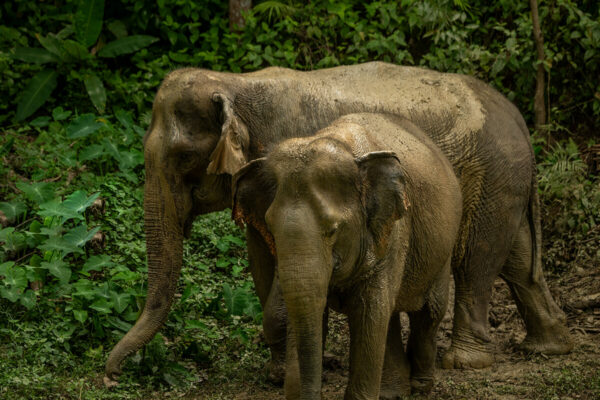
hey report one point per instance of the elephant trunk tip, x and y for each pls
(111, 372)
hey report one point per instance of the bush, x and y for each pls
(78, 97)
(570, 209)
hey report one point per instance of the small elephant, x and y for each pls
(364, 216)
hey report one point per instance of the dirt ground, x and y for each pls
(513, 376)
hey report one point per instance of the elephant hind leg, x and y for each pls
(491, 233)
(471, 346)
(545, 322)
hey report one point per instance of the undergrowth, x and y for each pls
(72, 252)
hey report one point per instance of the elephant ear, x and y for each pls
(253, 191)
(228, 157)
(384, 193)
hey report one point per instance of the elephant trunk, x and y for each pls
(304, 280)
(164, 242)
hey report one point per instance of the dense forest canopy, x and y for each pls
(77, 81)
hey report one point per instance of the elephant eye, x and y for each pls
(332, 230)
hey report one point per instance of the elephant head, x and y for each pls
(195, 141)
(330, 215)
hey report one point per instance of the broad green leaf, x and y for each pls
(83, 126)
(34, 55)
(96, 263)
(119, 323)
(59, 269)
(126, 45)
(59, 114)
(51, 209)
(78, 201)
(15, 276)
(222, 262)
(194, 324)
(65, 32)
(91, 152)
(56, 229)
(52, 44)
(253, 310)
(101, 305)
(84, 288)
(130, 159)
(124, 118)
(79, 236)
(10, 293)
(120, 301)
(14, 241)
(80, 315)
(235, 240)
(38, 192)
(75, 50)
(60, 244)
(118, 29)
(5, 233)
(88, 21)
(111, 149)
(222, 245)
(4, 267)
(40, 122)
(235, 300)
(28, 299)
(96, 91)
(13, 210)
(126, 275)
(36, 93)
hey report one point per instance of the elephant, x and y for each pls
(365, 215)
(206, 125)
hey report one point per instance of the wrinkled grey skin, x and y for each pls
(365, 213)
(206, 125)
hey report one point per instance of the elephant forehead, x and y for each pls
(313, 159)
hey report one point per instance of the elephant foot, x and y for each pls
(393, 392)
(275, 370)
(459, 357)
(110, 383)
(421, 384)
(553, 341)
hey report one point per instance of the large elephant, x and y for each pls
(206, 125)
(365, 215)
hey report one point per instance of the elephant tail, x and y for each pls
(535, 227)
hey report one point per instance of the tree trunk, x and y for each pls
(538, 103)
(236, 7)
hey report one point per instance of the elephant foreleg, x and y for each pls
(422, 344)
(368, 322)
(395, 380)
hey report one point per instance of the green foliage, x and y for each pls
(78, 78)
(571, 208)
(74, 58)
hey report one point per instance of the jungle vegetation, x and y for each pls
(77, 80)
